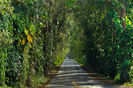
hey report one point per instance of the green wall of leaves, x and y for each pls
(33, 40)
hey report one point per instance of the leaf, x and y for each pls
(127, 62)
(128, 21)
(26, 32)
(32, 29)
(23, 41)
(29, 38)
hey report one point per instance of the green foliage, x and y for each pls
(30, 40)
(35, 36)
(5, 44)
(107, 46)
(14, 67)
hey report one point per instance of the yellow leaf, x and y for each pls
(130, 22)
(24, 41)
(26, 32)
(29, 38)
(2, 12)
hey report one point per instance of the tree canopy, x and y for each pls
(36, 36)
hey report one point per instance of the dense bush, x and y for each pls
(107, 45)
(31, 32)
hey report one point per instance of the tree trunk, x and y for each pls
(124, 76)
(123, 14)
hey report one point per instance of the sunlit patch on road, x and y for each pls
(72, 75)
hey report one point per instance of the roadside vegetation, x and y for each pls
(36, 36)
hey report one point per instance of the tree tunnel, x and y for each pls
(36, 36)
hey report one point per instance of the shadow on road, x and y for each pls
(71, 75)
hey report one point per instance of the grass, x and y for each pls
(128, 84)
(39, 80)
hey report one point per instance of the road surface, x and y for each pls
(72, 75)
